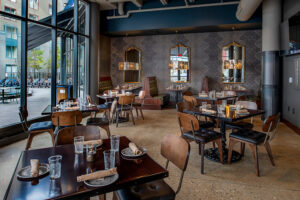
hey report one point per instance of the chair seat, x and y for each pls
(125, 107)
(203, 136)
(41, 126)
(103, 106)
(155, 190)
(239, 125)
(251, 136)
(97, 121)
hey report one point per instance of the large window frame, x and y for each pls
(25, 20)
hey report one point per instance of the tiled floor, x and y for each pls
(235, 181)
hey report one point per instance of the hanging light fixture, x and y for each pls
(129, 66)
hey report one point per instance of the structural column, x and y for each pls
(94, 50)
(271, 84)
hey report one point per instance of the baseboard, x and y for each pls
(292, 126)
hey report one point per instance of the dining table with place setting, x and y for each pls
(214, 96)
(225, 114)
(82, 170)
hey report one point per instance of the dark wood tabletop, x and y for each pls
(131, 172)
(215, 99)
(49, 110)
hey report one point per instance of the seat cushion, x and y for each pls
(103, 106)
(206, 124)
(41, 126)
(251, 136)
(203, 136)
(155, 190)
(239, 125)
(98, 121)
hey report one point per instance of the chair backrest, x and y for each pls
(23, 114)
(187, 122)
(126, 100)
(150, 86)
(177, 150)
(230, 93)
(247, 104)
(67, 118)
(187, 93)
(190, 99)
(270, 126)
(66, 135)
(142, 94)
(180, 106)
(89, 99)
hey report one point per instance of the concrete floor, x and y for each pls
(235, 181)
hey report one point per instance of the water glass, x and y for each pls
(115, 142)
(224, 103)
(55, 166)
(204, 104)
(220, 108)
(62, 105)
(238, 107)
(109, 158)
(78, 144)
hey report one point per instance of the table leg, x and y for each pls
(3, 96)
(176, 96)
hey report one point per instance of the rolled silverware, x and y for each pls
(97, 175)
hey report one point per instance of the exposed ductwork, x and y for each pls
(164, 2)
(246, 9)
(121, 8)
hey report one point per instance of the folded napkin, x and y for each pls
(92, 142)
(72, 108)
(208, 111)
(97, 175)
(203, 95)
(243, 111)
(35, 165)
(134, 148)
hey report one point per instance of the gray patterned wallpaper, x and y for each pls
(206, 51)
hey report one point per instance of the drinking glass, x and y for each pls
(109, 158)
(55, 166)
(62, 105)
(224, 104)
(204, 104)
(220, 108)
(115, 142)
(238, 107)
(78, 144)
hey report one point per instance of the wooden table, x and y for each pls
(214, 100)
(213, 153)
(49, 109)
(131, 172)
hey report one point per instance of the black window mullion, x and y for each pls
(53, 53)
(75, 53)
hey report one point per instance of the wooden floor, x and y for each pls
(235, 181)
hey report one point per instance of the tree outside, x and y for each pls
(35, 60)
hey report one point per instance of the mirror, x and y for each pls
(179, 64)
(233, 63)
(133, 55)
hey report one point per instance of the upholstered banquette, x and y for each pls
(105, 83)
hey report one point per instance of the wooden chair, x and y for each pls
(138, 105)
(35, 128)
(190, 99)
(191, 131)
(254, 138)
(125, 107)
(66, 135)
(180, 106)
(66, 118)
(230, 93)
(102, 122)
(101, 108)
(176, 150)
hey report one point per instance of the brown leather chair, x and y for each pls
(66, 135)
(125, 107)
(191, 131)
(254, 138)
(35, 128)
(66, 118)
(190, 99)
(181, 106)
(174, 149)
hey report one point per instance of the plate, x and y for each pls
(25, 173)
(128, 153)
(102, 182)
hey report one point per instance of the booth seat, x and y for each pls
(153, 100)
(105, 83)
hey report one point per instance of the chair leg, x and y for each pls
(219, 143)
(52, 137)
(255, 156)
(242, 149)
(108, 115)
(137, 113)
(268, 148)
(132, 117)
(230, 147)
(117, 122)
(106, 128)
(214, 144)
(141, 110)
(29, 141)
(202, 158)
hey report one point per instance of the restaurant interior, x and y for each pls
(150, 99)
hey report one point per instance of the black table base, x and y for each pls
(213, 154)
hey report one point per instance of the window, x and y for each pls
(13, 1)
(33, 17)
(11, 51)
(50, 9)
(34, 4)
(11, 11)
(11, 32)
(11, 71)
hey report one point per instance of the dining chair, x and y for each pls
(125, 107)
(138, 105)
(101, 108)
(190, 99)
(243, 124)
(102, 122)
(177, 151)
(181, 106)
(66, 135)
(254, 138)
(191, 131)
(35, 128)
(66, 118)
(230, 100)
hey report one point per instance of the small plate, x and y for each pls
(128, 153)
(102, 182)
(25, 173)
